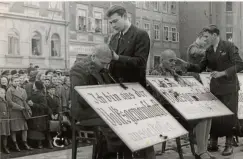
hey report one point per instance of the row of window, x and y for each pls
(156, 6)
(90, 24)
(169, 33)
(36, 44)
(52, 5)
(96, 23)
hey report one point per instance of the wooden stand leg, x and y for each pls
(95, 146)
(191, 140)
(237, 139)
(74, 140)
(163, 147)
(179, 149)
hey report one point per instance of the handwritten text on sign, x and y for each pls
(190, 98)
(133, 114)
(205, 78)
(240, 104)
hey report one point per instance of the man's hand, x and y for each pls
(217, 74)
(115, 56)
(182, 62)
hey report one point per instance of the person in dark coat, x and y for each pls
(38, 127)
(31, 68)
(130, 47)
(53, 101)
(90, 71)
(29, 85)
(224, 60)
(4, 120)
(66, 87)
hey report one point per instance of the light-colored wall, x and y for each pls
(82, 42)
(193, 17)
(163, 19)
(15, 16)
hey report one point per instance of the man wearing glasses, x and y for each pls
(130, 47)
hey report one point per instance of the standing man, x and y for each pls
(223, 59)
(130, 47)
(196, 52)
(31, 68)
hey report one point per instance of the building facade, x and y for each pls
(33, 32)
(89, 26)
(195, 15)
(161, 21)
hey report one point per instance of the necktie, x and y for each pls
(119, 41)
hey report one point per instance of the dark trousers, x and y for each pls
(223, 126)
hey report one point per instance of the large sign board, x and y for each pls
(188, 97)
(133, 114)
(205, 78)
(240, 100)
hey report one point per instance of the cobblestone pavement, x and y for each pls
(85, 152)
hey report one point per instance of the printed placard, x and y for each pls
(133, 114)
(188, 97)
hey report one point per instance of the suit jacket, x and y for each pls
(133, 54)
(81, 74)
(226, 58)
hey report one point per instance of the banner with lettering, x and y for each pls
(189, 97)
(133, 114)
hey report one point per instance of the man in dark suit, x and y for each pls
(223, 59)
(131, 47)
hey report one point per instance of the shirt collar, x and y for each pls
(129, 25)
(216, 45)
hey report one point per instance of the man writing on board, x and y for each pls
(223, 59)
(130, 47)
